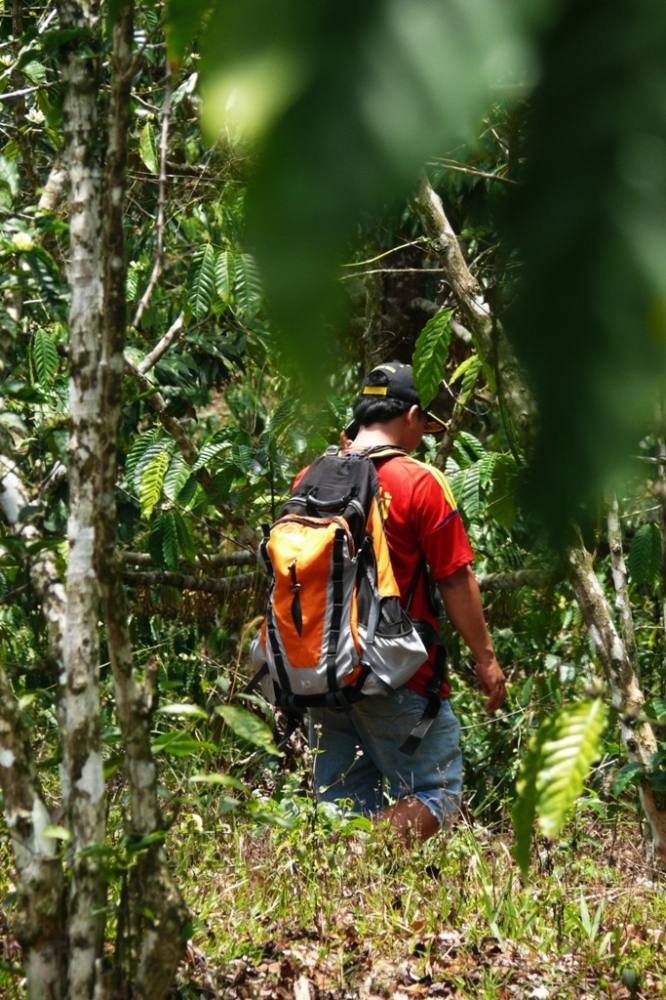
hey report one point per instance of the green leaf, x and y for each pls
(247, 286)
(226, 780)
(9, 175)
(593, 145)
(44, 357)
(627, 775)
(170, 540)
(183, 21)
(152, 477)
(430, 354)
(248, 727)
(186, 544)
(175, 479)
(501, 499)
(202, 280)
(225, 274)
(208, 453)
(55, 832)
(147, 149)
(658, 706)
(553, 771)
(139, 449)
(644, 559)
(183, 709)
(179, 744)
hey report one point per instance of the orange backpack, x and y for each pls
(334, 629)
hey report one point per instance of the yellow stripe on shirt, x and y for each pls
(443, 482)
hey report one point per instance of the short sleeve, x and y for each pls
(438, 525)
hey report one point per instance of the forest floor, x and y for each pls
(317, 908)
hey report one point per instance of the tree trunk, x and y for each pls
(82, 776)
(157, 913)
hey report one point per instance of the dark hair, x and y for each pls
(378, 410)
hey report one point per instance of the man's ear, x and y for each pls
(413, 415)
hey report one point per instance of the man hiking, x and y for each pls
(364, 747)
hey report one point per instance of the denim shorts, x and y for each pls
(358, 756)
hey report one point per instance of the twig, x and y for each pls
(462, 169)
(25, 90)
(161, 200)
(395, 270)
(387, 253)
(163, 345)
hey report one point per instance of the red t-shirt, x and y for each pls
(422, 522)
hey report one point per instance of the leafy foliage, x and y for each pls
(644, 559)
(592, 136)
(44, 356)
(202, 281)
(554, 769)
(430, 354)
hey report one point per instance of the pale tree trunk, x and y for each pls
(614, 651)
(82, 775)
(157, 913)
(40, 926)
(637, 736)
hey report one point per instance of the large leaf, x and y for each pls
(349, 101)
(152, 477)
(248, 727)
(147, 149)
(247, 286)
(44, 356)
(202, 280)
(553, 771)
(593, 208)
(644, 559)
(430, 354)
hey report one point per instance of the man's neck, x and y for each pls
(373, 436)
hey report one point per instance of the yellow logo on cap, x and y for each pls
(375, 390)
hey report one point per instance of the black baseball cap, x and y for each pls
(395, 380)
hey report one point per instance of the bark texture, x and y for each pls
(637, 735)
(157, 914)
(82, 777)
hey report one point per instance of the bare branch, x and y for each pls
(161, 202)
(163, 345)
(221, 560)
(182, 581)
(501, 368)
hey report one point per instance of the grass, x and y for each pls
(332, 908)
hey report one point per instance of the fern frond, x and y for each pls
(170, 540)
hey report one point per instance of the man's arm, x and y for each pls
(461, 596)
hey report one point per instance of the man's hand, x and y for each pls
(493, 683)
